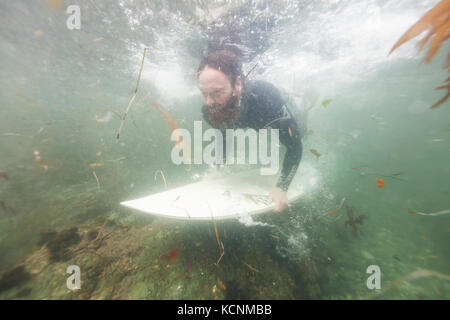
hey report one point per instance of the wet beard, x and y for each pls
(222, 115)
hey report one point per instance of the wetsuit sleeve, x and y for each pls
(291, 139)
(268, 105)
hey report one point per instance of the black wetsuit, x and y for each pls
(262, 105)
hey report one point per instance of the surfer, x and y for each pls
(231, 101)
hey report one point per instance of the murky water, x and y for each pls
(62, 93)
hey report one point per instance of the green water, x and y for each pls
(55, 81)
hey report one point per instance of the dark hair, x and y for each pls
(225, 61)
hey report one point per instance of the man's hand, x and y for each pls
(280, 198)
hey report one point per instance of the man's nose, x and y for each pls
(208, 100)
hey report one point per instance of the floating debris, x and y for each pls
(105, 119)
(440, 213)
(39, 131)
(132, 98)
(13, 134)
(96, 164)
(281, 118)
(250, 267)
(118, 159)
(335, 210)
(221, 285)
(38, 159)
(4, 175)
(316, 153)
(96, 178)
(248, 73)
(392, 176)
(162, 175)
(217, 237)
(108, 115)
(5, 206)
(55, 4)
(22, 96)
(380, 182)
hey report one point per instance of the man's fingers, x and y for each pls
(279, 207)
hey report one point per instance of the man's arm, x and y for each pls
(291, 139)
(269, 104)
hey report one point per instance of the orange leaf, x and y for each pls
(435, 43)
(433, 19)
(221, 285)
(380, 182)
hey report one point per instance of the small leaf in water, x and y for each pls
(380, 182)
(173, 254)
(326, 102)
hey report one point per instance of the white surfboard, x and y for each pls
(234, 195)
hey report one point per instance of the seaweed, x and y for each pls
(24, 293)
(437, 23)
(13, 278)
(45, 236)
(59, 243)
(93, 234)
(354, 222)
(236, 291)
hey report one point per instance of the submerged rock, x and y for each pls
(13, 278)
(58, 243)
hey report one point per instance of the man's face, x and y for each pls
(220, 97)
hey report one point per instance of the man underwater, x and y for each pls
(231, 101)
